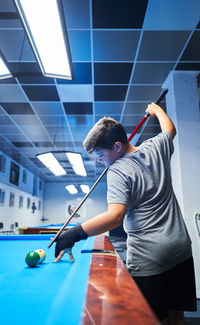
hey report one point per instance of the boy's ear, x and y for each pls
(118, 146)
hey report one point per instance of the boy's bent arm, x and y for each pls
(165, 122)
(105, 221)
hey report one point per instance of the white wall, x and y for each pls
(57, 199)
(22, 215)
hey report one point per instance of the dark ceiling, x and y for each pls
(122, 52)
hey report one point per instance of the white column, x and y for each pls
(183, 108)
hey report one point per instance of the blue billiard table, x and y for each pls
(95, 289)
(50, 293)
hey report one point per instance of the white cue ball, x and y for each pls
(42, 254)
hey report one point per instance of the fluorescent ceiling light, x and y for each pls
(51, 163)
(85, 188)
(4, 72)
(76, 161)
(45, 26)
(71, 189)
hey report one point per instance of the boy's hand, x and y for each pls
(153, 109)
(66, 241)
(62, 253)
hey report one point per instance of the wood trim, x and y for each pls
(112, 295)
(40, 230)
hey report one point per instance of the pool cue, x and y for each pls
(78, 207)
(162, 95)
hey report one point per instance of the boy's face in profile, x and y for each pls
(108, 156)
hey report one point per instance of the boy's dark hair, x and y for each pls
(104, 134)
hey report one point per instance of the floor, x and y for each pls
(119, 243)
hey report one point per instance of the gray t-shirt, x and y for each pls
(157, 238)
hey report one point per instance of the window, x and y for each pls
(14, 173)
(35, 186)
(2, 196)
(12, 200)
(28, 202)
(21, 199)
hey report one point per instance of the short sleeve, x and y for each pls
(166, 143)
(163, 142)
(118, 187)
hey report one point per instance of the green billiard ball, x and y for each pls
(32, 259)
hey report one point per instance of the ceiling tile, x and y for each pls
(17, 46)
(192, 52)
(115, 45)
(41, 93)
(5, 120)
(60, 144)
(2, 111)
(59, 121)
(77, 13)
(28, 151)
(8, 7)
(75, 93)
(8, 81)
(78, 144)
(43, 144)
(22, 144)
(118, 14)
(80, 132)
(34, 133)
(144, 93)
(25, 69)
(18, 108)
(82, 74)
(37, 78)
(56, 132)
(59, 137)
(108, 108)
(78, 108)
(13, 129)
(188, 66)
(135, 108)
(80, 39)
(131, 119)
(151, 73)
(11, 93)
(80, 119)
(51, 108)
(155, 129)
(165, 15)
(112, 73)
(26, 120)
(110, 93)
(16, 137)
(162, 45)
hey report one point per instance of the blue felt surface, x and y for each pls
(49, 294)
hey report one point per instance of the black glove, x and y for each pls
(68, 238)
